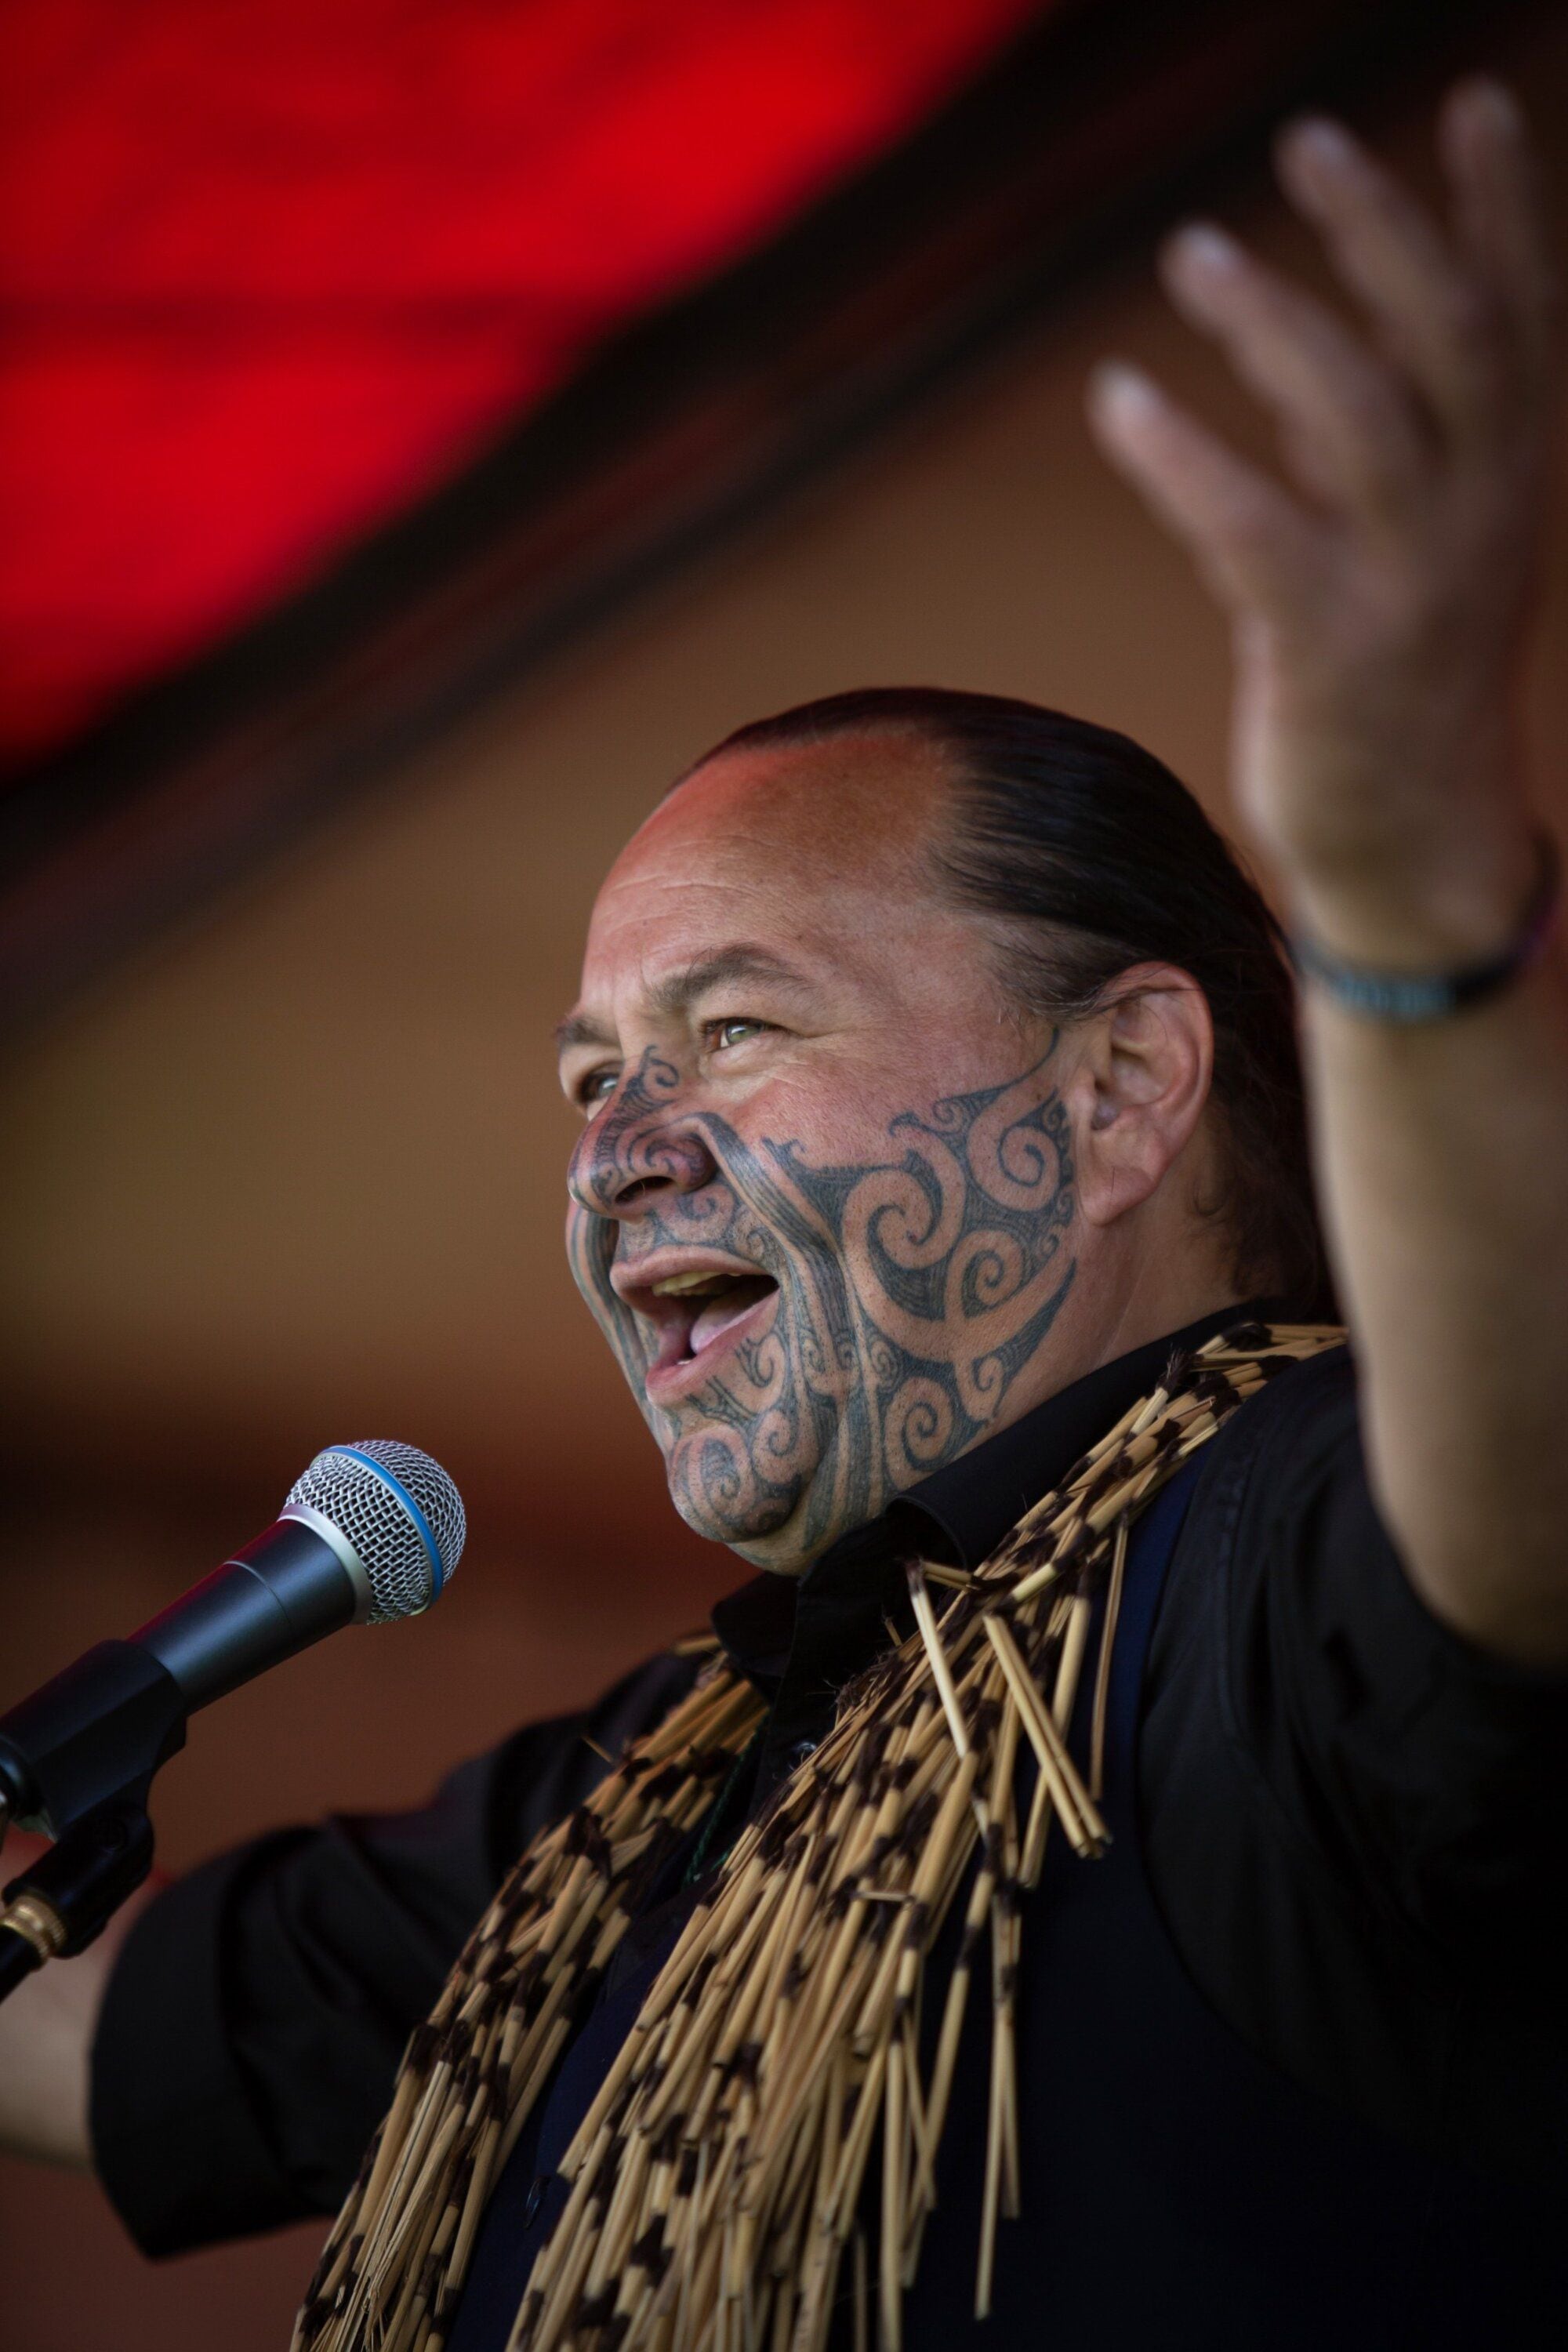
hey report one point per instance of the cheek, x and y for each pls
(839, 1119)
(841, 1108)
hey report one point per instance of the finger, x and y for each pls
(1352, 432)
(1254, 545)
(1428, 310)
(1500, 217)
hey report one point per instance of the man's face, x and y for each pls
(822, 1206)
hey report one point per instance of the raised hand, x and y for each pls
(1378, 591)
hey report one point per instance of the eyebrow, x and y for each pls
(681, 990)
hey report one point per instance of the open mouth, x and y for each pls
(695, 1308)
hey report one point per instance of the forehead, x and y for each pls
(795, 844)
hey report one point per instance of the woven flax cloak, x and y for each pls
(717, 2179)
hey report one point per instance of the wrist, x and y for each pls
(1432, 905)
(1404, 993)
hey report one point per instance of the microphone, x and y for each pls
(370, 1532)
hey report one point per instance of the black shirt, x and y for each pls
(1353, 1821)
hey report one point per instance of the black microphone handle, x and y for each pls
(284, 1591)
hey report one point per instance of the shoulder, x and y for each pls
(1288, 1464)
(1304, 1427)
(1285, 1482)
(500, 1799)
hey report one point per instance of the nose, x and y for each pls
(641, 1146)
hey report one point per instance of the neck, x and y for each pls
(1093, 1330)
(1111, 1311)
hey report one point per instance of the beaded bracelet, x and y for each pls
(1411, 996)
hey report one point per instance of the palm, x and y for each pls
(1377, 592)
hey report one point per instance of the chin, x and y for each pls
(722, 1498)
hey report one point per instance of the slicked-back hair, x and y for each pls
(1098, 858)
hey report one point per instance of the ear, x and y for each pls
(1138, 1089)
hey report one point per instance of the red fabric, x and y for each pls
(275, 268)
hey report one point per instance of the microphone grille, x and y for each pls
(399, 1511)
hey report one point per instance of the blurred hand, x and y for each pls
(1377, 593)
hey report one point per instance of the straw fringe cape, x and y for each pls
(717, 2179)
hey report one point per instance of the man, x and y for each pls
(938, 1084)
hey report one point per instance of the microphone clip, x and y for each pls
(56, 1909)
(91, 1738)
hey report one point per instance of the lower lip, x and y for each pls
(667, 1383)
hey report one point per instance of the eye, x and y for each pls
(596, 1088)
(736, 1031)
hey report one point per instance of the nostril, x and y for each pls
(635, 1191)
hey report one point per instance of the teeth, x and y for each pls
(703, 1278)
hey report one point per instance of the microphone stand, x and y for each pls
(93, 1736)
(54, 1909)
(77, 1760)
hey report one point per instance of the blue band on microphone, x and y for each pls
(409, 1505)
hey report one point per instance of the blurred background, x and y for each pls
(426, 429)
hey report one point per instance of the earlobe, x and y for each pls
(1143, 1081)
